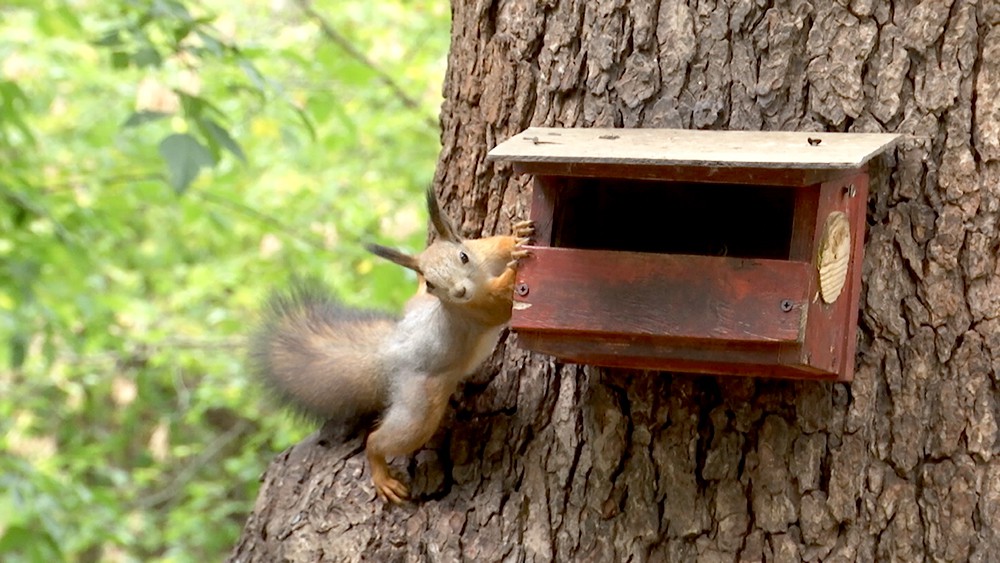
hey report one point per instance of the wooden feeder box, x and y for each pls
(720, 252)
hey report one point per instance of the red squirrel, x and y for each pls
(352, 367)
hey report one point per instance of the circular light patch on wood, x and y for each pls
(834, 256)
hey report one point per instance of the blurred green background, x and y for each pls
(163, 164)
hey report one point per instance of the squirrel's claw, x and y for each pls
(524, 229)
(517, 254)
(387, 487)
(392, 490)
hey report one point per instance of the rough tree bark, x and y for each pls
(541, 461)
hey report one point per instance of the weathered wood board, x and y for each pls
(688, 297)
(684, 147)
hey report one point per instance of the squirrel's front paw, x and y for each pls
(523, 231)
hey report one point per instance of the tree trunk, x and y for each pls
(540, 460)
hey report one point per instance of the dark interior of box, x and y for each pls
(737, 221)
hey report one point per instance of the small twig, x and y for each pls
(128, 178)
(352, 51)
(123, 178)
(27, 205)
(185, 475)
(260, 217)
(114, 358)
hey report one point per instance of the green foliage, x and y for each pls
(163, 164)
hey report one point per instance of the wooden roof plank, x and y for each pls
(694, 148)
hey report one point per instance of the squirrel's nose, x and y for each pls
(458, 292)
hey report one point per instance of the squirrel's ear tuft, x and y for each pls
(442, 226)
(393, 255)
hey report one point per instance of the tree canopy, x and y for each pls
(163, 164)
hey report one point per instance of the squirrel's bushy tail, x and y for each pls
(320, 356)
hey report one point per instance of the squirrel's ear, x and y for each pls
(442, 226)
(393, 255)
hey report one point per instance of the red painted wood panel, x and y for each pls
(832, 327)
(662, 295)
(782, 360)
(857, 212)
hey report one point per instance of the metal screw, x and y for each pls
(787, 305)
(521, 289)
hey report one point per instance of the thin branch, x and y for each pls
(258, 216)
(16, 198)
(116, 358)
(122, 178)
(173, 489)
(128, 178)
(337, 38)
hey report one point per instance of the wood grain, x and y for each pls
(685, 147)
(663, 295)
(714, 358)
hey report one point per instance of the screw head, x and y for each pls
(787, 305)
(521, 289)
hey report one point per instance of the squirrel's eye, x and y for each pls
(463, 257)
(430, 286)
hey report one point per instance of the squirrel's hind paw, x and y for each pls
(391, 489)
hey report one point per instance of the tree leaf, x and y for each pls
(120, 60)
(145, 116)
(147, 56)
(217, 134)
(253, 74)
(13, 103)
(38, 543)
(18, 351)
(185, 158)
(304, 119)
(194, 106)
(112, 38)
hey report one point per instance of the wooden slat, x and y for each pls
(687, 357)
(662, 295)
(857, 212)
(777, 177)
(687, 148)
(803, 243)
(545, 195)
